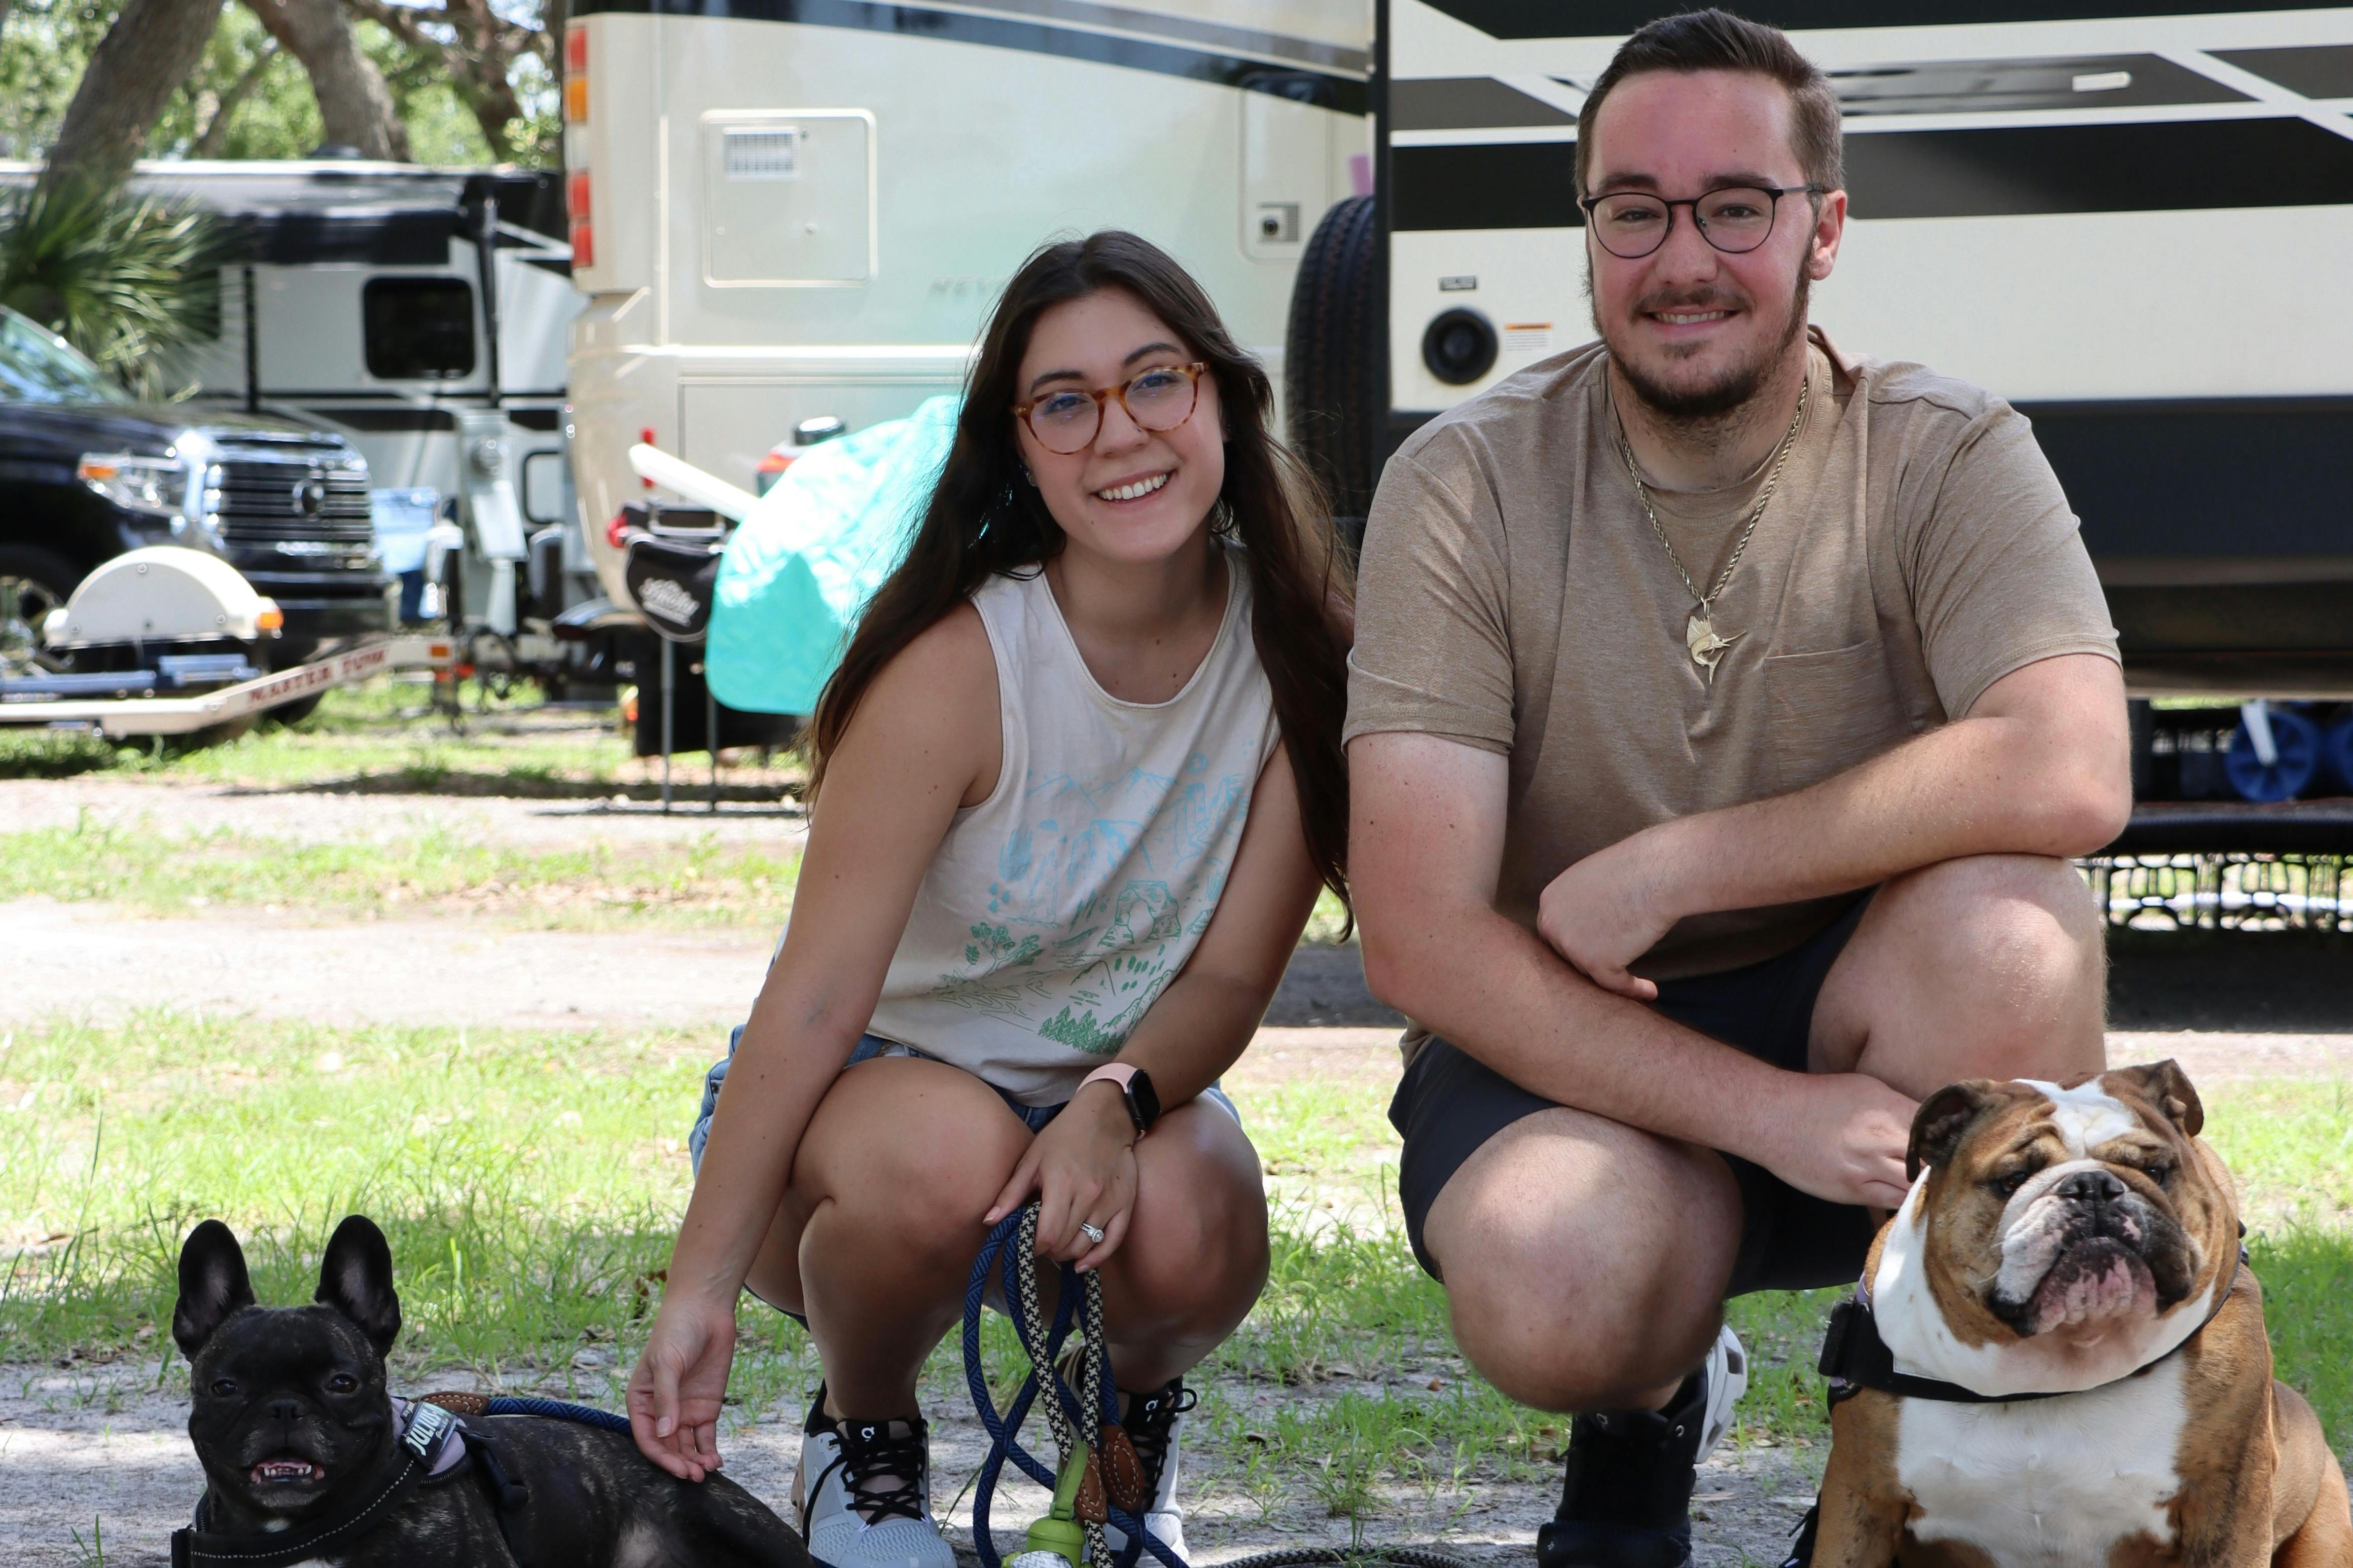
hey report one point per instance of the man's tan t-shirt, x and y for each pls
(1513, 596)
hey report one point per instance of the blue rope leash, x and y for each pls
(559, 1410)
(999, 1255)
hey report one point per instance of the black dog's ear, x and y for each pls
(1942, 1119)
(213, 1285)
(355, 1280)
(2168, 1088)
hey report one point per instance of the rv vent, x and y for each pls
(764, 155)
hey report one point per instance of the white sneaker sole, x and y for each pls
(1727, 1380)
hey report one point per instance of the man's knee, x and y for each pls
(1581, 1293)
(2008, 951)
(1560, 1329)
(2023, 926)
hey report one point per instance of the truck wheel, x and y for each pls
(32, 583)
(1330, 370)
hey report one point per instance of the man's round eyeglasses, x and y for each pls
(1630, 224)
(1161, 398)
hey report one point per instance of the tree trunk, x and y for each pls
(216, 131)
(151, 49)
(354, 105)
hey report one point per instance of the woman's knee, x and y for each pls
(909, 1158)
(1196, 1246)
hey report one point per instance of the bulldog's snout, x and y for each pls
(2093, 1187)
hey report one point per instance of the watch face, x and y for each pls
(1143, 1100)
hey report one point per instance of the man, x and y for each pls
(1723, 713)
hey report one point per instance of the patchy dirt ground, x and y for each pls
(106, 1448)
(86, 1444)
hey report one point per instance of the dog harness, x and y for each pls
(434, 1444)
(439, 1445)
(1855, 1358)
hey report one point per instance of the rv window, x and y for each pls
(418, 329)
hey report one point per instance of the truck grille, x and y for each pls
(264, 504)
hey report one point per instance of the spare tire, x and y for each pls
(1331, 372)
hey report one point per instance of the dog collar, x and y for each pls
(1855, 1358)
(432, 1446)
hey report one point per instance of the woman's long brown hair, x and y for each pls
(983, 520)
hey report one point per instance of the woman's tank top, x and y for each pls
(1058, 909)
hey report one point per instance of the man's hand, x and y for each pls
(1606, 911)
(1842, 1136)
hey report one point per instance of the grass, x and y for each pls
(530, 1183)
(699, 882)
(381, 735)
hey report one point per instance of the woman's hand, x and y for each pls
(1083, 1168)
(679, 1383)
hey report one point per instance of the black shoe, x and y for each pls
(1625, 1500)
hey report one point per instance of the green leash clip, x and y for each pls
(1059, 1531)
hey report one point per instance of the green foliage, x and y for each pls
(248, 99)
(42, 53)
(123, 278)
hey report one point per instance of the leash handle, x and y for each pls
(1009, 1254)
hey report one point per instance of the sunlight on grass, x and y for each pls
(700, 882)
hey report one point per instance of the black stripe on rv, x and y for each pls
(1998, 172)
(1614, 18)
(1929, 87)
(1341, 94)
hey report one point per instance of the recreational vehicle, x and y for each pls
(789, 215)
(2113, 215)
(420, 315)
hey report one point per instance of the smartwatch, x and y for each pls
(1134, 1088)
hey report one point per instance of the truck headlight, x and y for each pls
(157, 486)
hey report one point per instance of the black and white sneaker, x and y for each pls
(864, 1492)
(1625, 1500)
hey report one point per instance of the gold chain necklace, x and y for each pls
(1699, 632)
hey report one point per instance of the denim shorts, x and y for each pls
(869, 1047)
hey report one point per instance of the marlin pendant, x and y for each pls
(1707, 648)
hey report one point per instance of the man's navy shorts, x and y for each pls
(1449, 1105)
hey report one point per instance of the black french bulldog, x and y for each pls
(309, 1459)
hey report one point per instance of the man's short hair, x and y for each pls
(1718, 40)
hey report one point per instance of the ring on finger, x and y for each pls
(1094, 1232)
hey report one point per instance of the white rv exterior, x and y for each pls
(786, 209)
(2124, 220)
(361, 302)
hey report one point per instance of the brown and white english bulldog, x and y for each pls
(2076, 1241)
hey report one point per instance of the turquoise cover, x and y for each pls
(798, 570)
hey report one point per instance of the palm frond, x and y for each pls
(125, 279)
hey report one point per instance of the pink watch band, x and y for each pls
(1110, 1072)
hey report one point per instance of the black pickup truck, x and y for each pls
(86, 473)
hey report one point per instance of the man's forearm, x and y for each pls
(1989, 785)
(1496, 991)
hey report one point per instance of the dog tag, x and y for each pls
(1123, 1470)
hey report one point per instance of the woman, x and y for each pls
(1078, 777)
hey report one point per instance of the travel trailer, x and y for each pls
(2114, 218)
(421, 315)
(786, 215)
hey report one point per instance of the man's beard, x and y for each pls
(1710, 403)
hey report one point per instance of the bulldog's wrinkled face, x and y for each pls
(288, 1404)
(2072, 1210)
